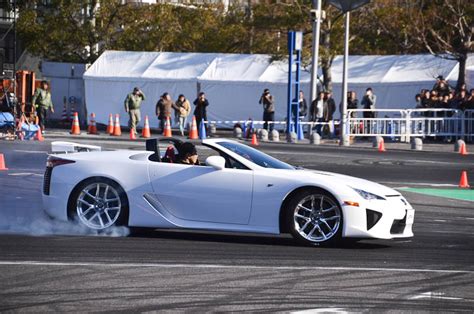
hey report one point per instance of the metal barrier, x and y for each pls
(469, 125)
(405, 124)
(394, 123)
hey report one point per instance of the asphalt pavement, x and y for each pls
(46, 266)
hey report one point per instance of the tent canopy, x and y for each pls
(234, 82)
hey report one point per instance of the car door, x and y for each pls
(202, 193)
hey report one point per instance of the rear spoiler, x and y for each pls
(69, 147)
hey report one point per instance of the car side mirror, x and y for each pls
(216, 162)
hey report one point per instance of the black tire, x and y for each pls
(80, 202)
(313, 228)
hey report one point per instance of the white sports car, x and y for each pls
(238, 189)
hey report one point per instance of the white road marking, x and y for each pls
(217, 266)
(440, 220)
(433, 295)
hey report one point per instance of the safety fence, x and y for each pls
(402, 124)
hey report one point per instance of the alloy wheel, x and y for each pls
(317, 218)
(98, 206)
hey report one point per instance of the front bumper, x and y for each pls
(380, 219)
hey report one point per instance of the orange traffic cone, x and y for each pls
(146, 129)
(463, 150)
(2, 163)
(92, 129)
(167, 131)
(110, 127)
(382, 146)
(39, 136)
(463, 183)
(117, 129)
(75, 129)
(132, 135)
(254, 139)
(193, 133)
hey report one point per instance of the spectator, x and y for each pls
(183, 111)
(303, 106)
(329, 107)
(368, 102)
(316, 111)
(425, 100)
(460, 100)
(200, 111)
(268, 109)
(132, 104)
(164, 109)
(352, 103)
(434, 100)
(42, 102)
(418, 104)
(469, 102)
(441, 86)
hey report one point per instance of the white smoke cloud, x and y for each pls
(21, 211)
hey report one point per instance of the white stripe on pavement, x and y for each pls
(217, 266)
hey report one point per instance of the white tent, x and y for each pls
(395, 79)
(234, 82)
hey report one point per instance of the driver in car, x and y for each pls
(187, 154)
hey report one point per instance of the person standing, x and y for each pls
(183, 111)
(200, 111)
(316, 111)
(42, 102)
(328, 112)
(132, 104)
(368, 103)
(164, 109)
(268, 109)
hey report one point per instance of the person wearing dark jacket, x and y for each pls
(268, 109)
(200, 111)
(328, 112)
(164, 109)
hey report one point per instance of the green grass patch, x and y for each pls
(459, 194)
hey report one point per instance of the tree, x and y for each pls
(445, 29)
(441, 27)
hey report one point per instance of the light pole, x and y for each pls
(316, 19)
(346, 6)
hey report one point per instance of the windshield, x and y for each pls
(255, 156)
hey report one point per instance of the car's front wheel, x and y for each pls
(99, 203)
(314, 217)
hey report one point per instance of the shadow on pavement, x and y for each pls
(277, 240)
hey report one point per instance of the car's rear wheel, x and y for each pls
(314, 217)
(99, 203)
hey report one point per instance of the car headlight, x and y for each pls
(367, 195)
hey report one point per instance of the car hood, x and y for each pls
(352, 182)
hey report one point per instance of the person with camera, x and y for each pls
(368, 103)
(200, 111)
(268, 109)
(132, 104)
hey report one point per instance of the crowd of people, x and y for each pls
(321, 111)
(443, 96)
(165, 108)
